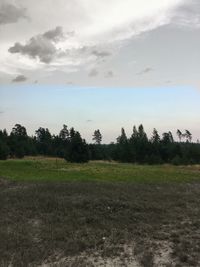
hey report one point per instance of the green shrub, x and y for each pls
(4, 151)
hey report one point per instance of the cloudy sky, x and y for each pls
(100, 64)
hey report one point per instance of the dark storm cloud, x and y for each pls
(144, 71)
(19, 78)
(93, 73)
(41, 46)
(11, 14)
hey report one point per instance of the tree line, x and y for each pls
(69, 144)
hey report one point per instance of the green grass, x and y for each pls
(51, 169)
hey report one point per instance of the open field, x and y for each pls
(53, 213)
(52, 169)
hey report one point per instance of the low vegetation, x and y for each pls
(54, 213)
(55, 169)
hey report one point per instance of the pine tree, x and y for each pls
(188, 136)
(64, 133)
(155, 137)
(122, 139)
(78, 149)
(179, 133)
(97, 137)
(4, 150)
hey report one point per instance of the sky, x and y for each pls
(100, 65)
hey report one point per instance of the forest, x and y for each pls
(68, 144)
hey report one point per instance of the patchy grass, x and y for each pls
(95, 217)
(52, 169)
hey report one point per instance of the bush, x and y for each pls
(4, 151)
(177, 160)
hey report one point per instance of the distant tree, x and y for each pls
(133, 144)
(167, 138)
(154, 148)
(122, 139)
(4, 150)
(43, 134)
(3, 135)
(168, 147)
(123, 148)
(176, 160)
(78, 149)
(69, 144)
(19, 130)
(71, 133)
(171, 137)
(44, 141)
(97, 137)
(141, 133)
(18, 141)
(142, 148)
(97, 151)
(155, 137)
(188, 136)
(59, 143)
(134, 135)
(64, 133)
(179, 134)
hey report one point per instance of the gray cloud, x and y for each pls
(19, 78)
(11, 14)
(93, 73)
(144, 71)
(1, 112)
(41, 46)
(168, 81)
(55, 34)
(109, 74)
(88, 51)
(70, 83)
(101, 54)
(188, 14)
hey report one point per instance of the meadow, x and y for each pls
(54, 169)
(54, 213)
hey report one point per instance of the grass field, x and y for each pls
(52, 169)
(54, 213)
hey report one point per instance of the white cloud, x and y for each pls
(95, 21)
(112, 20)
(188, 15)
(97, 25)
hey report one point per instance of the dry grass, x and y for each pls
(53, 213)
(99, 224)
